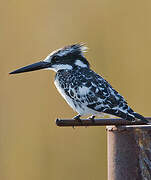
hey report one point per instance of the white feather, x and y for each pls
(80, 63)
(83, 90)
(47, 59)
(57, 67)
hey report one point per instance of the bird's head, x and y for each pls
(68, 57)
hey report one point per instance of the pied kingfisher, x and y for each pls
(83, 89)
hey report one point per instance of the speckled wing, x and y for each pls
(98, 94)
(85, 88)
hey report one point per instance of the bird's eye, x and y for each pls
(55, 59)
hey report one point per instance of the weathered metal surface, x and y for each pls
(129, 152)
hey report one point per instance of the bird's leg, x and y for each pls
(77, 118)
(92, 118)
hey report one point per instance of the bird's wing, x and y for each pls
(99, 95)
(89, 89)
(110, 101)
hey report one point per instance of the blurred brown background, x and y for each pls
(118, 34)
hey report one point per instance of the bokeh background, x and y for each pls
(118, 34)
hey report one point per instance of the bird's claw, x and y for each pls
(77, 118)
(92, 118)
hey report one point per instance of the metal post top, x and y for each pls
(129, 127)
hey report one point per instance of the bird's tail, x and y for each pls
(140, 117)
(130, 115)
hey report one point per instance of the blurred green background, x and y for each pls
(118, 34)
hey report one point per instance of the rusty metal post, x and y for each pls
(129, 152)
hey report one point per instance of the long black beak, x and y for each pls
(32, 67)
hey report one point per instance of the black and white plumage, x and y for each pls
(84, 90)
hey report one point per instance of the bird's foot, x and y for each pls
(92, 118)
(77, 118)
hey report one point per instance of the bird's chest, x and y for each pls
(65, 94)
(63, 84)
(61, 87)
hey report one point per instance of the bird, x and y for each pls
(88, 93)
